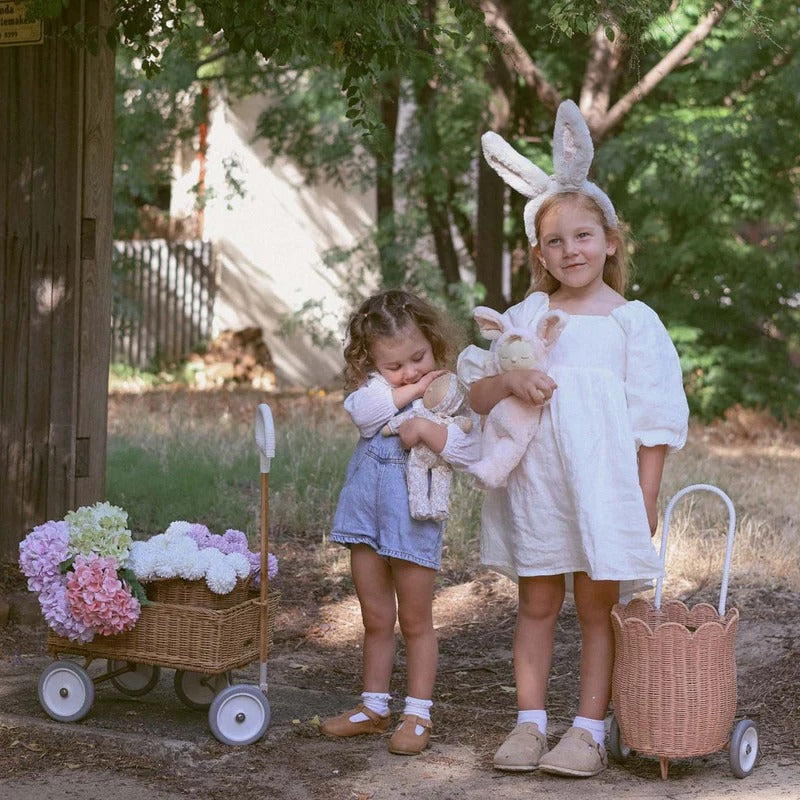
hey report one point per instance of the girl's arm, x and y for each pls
(403, 395)
(651, 467)
(531, 385)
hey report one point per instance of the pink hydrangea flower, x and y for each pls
(98, 598)
(57, 614)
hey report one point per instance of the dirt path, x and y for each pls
(153, 747)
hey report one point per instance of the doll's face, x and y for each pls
(516, 354)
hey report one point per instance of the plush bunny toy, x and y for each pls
(428, 474)
(512, 423)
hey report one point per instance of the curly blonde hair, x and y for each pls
(616, 269)
(385, 315)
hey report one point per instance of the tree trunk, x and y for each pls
(392, 272)
(491, 196)
(435, 183)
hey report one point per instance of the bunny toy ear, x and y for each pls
(519, 173)
(572, 146)
(490, 323)
(549, 327)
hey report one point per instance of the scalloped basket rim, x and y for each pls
(624, 617)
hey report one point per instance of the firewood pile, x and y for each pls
(239, 357)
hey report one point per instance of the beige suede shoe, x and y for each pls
(522, 749)
(577, 754)
(341, 726)
(405, 740)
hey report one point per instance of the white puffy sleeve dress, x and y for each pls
(574, 503)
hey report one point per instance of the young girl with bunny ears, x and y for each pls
(397, 345)
(579, 509)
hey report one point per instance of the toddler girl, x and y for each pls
(397, 344)
(579, 510)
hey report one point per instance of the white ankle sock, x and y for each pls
(597, 727)
(420, 708)
(374, 701)
(539, 716)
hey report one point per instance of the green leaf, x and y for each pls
(66, 565)
(137, 590)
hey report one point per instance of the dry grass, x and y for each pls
(753, 460)
(761, 475)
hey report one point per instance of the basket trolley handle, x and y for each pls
(723, 593)
(265, 439)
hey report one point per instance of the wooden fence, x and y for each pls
(163, 300)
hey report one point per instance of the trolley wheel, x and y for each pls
(66, 691)
(239, 715)
(744, 748)
(137, 681)
(197, 690)
(616, 745)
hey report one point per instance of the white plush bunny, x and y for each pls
(572, 156)
(512, 423)
(428, 475)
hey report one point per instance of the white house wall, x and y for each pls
(270, 242)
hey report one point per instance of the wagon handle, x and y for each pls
(265, 439)
(723, 593)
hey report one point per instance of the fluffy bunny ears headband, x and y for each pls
(572, 157)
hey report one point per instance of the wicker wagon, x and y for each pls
(674, 682)
(201, 635)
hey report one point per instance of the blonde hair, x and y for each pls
(616, 269)
(384, 316)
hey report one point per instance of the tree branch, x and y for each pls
(603, 70)
(516, 57)
(757, 77)
(660, 71)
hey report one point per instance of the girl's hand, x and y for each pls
(530, 385)
(426, 380)
(419, 430)
(403, 395)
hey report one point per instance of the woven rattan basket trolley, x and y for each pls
(674, 683)
(186, 627)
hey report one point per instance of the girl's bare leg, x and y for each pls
(540, 600)
(414, 586)
(594, 600)
(372, 577)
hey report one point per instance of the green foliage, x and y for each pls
(189, 480)
(706, 176)
(207, 471)
(704, 168)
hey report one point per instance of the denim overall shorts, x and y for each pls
(373, 506)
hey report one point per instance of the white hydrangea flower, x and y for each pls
(141, 561)
(239, 563)
(180, 527)
(184, 554)
(209, 557)
(221, 577)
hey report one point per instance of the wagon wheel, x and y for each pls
(616, 745)
(198, 690)
(137, 680)
(239, 715)
(744, 748)
(66, 691)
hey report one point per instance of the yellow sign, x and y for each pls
(15, 28)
